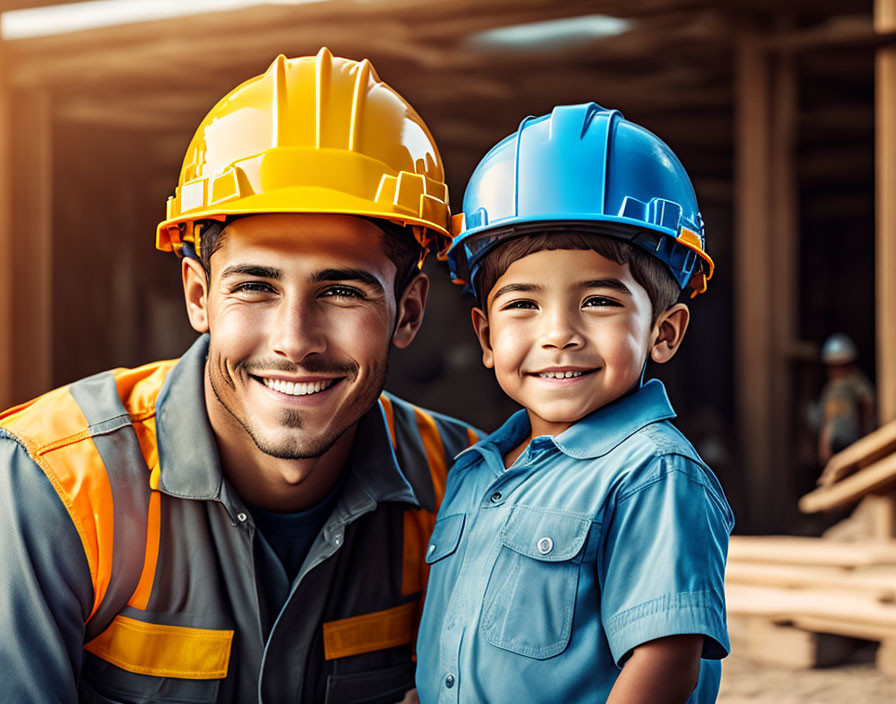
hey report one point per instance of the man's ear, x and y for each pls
(481, 328)
(195, 293)
(668, 332)
(409, 316)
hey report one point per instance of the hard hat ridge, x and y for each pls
(592, 169)
(314, 134)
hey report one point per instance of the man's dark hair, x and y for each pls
(648, 271)
(398, 244)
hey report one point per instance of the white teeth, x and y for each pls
(560, 375)
(297, 389)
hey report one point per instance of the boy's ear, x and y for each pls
(668, 332)
(480, 327)
(195, 293)
(409, 316)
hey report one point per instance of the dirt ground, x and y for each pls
(858, 682)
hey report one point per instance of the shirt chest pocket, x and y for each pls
(531, 594)
(445, 537)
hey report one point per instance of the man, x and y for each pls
(248, 523)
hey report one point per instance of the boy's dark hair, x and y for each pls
(398, 243)
(648, 271)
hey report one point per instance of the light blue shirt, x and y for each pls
(546, 576)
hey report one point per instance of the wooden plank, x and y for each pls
(885, 658)
(809, 551)
(781, 645)
(827, 624)
(790, 604)
(885, 197)
(877, 477)
(878, 586)
(6, 239)
(864, 451)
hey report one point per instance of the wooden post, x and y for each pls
(32, 219)
(885, 241)
(6, 259)
(885, 201)
(765, 267)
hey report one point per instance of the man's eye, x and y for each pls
(252, 287)
(343, 292)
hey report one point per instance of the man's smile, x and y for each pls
(297, 388)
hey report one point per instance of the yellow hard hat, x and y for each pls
(316, 134)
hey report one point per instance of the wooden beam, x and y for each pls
(6, 238)
(765, 266)
(32, 215)
(885, 259)
(791, 550)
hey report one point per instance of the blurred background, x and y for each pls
(770, 105)
(782, 111)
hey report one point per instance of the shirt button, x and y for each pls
(496, 497)
(449, 681)
(545, 545)
(241, 517)
(337, 541)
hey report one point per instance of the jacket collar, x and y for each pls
(190, 466)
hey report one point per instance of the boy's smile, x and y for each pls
(567, 332)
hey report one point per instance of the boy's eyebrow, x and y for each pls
(262, 272)
(512, 288)
(614, 284)
(360, 275)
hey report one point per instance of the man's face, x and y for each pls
(567, 332)
(301, 313)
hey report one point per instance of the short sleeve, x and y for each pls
(662, 562)
(45, 587)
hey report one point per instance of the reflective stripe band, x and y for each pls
(140, 597)
(435, 453)
(164, 651)
(390, 416)
(370, 632)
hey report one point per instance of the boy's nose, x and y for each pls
(561, 332)
(296, 331)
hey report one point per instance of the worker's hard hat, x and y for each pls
(316, 134)
(839, 349)
(587, 169)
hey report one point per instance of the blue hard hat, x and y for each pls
(587, 169)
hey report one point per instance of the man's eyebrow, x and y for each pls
(611, 283)
(364, 277)
(517, 288)
(262, 272)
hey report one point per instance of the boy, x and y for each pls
(579, 552)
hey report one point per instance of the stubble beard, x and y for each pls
(296, 447)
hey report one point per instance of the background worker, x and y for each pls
(247, 523)
(846, 406)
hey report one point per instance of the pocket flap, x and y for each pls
(545, 534)
(445, 537)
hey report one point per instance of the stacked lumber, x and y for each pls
(806, 601)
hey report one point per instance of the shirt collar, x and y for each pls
(190, 466)
(599, 432)
(593, 436)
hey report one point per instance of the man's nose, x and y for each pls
(298, 330)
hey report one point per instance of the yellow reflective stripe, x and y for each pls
(390, 416)
(164, 651)
(370, 632)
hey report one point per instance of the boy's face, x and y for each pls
(569, 331)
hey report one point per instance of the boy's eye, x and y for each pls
(599, 302)
(519, 305)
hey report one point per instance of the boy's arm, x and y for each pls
(662, 671)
